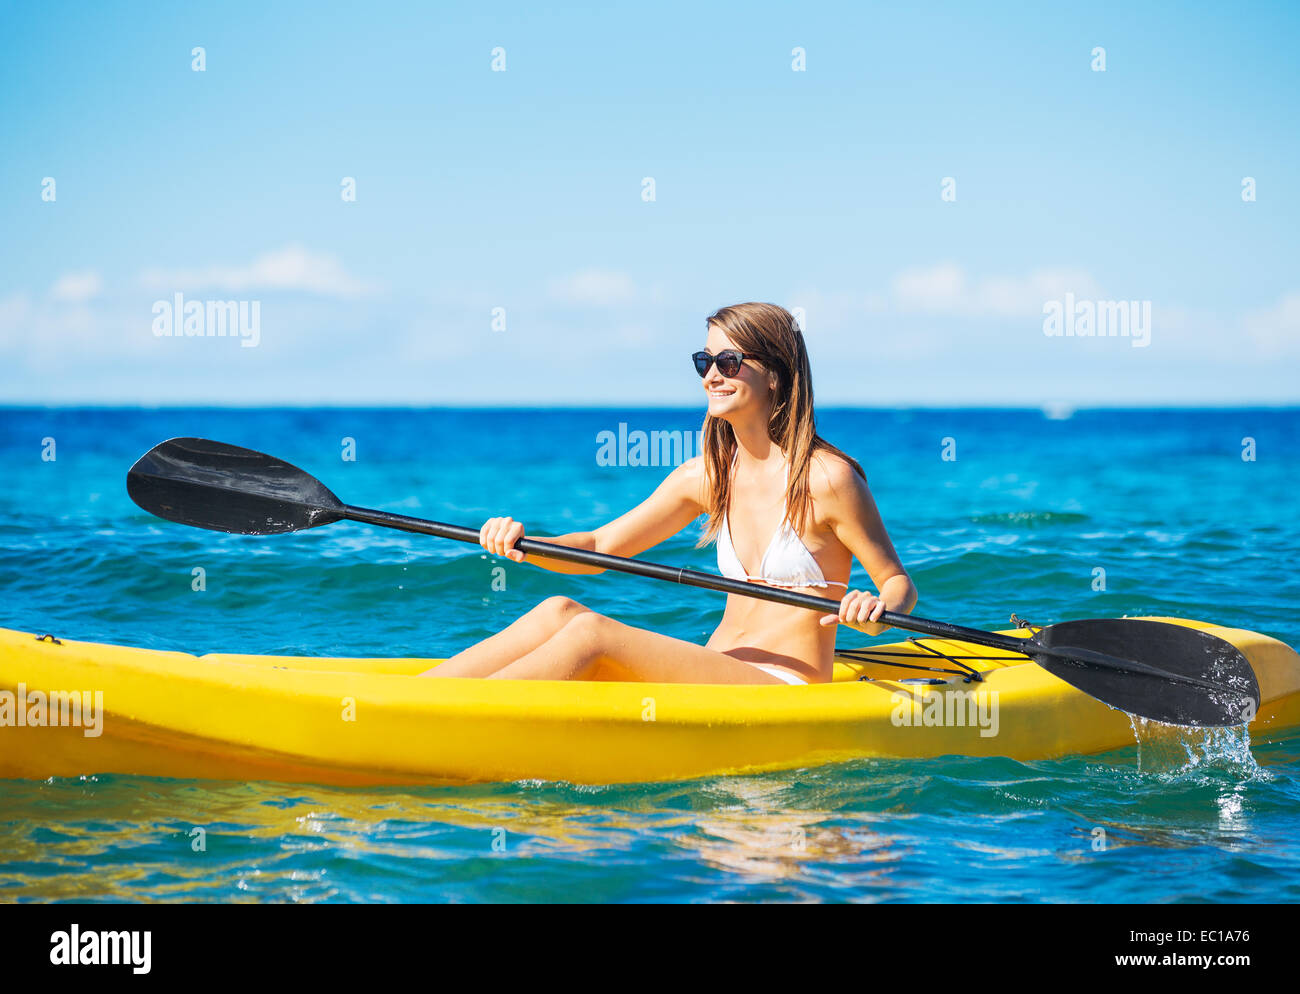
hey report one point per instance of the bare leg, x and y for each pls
(591, 643)
(520, 638)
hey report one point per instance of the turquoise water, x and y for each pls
(1024, 518)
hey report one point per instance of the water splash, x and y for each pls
(1175, 750)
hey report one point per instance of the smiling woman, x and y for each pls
(776, 494)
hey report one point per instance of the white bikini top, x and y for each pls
(786, 563)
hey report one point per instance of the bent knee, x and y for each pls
(561, 609)
(588, 630)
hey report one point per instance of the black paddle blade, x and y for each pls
(195, 481)
(1179, 651)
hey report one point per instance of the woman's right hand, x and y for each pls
(498, 536)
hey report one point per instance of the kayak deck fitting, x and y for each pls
(370, 722)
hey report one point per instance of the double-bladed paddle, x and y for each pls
(1167, 673)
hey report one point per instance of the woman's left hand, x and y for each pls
(859, 610)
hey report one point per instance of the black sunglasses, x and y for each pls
(728, 360)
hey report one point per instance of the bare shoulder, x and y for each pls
(695, 464)
(831, 476)
(690, 480)
(838, 491)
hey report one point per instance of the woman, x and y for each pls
(779, 498)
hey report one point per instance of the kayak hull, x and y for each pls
(371, 722)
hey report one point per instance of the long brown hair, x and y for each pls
(770, 335)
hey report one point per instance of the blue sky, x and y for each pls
(522, 190)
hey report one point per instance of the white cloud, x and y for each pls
(877, 339)
(937, 288)
(933, 310)
(1276, 329)
(15, 310)
(594, 288)
(947, 289)
(824, 311)
(77, 287)
(45, 331)
(289, 268)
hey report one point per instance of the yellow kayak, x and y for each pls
(70, 708)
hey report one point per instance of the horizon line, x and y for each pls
(1061, 407)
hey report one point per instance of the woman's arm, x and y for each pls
(851, 513)
(676, 502)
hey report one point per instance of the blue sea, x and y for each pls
(1056, 515)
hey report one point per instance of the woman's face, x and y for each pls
(750, 390)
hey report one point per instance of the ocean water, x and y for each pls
(1079, 514)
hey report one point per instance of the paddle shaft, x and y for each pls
(209, 484)
(695, 578)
